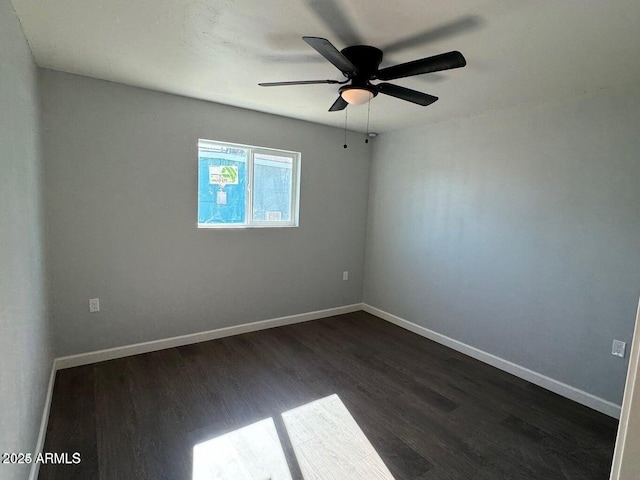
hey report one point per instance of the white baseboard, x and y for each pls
(572, 393)
(35, 466)
(154, 345)
(555, 386)
(145, 347)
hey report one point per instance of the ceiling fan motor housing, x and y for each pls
(366, 59)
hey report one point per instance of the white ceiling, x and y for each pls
(518, 51)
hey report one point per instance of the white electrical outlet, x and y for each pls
(94, 305)
(618, 348)
(345, 275)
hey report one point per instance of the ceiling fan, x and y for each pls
(359, 64)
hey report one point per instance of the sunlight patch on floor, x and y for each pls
(253, 452)
(330, 445)
(327, 442)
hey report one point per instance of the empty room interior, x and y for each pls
(319, 239)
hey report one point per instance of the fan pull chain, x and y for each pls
(345, 127)
(366, 140)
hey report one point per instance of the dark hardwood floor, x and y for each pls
(430, 412)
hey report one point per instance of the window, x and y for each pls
(244, 186)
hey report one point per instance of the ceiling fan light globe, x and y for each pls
(357, 96)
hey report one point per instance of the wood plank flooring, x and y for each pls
(430, 412)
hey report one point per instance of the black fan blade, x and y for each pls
(407, 94)
(299, 82)
(331, 53)
(339, 104)
(444, 61)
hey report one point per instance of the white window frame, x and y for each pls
(249, 222)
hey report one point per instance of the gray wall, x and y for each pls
(25, 351)
(121, 183)
(517, 232)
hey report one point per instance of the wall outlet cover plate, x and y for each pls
(94, 305)
(618, 348)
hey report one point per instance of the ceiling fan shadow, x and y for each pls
(336, 20)
(432, 78)
(293, 58)
(285, 48)
(458, 26)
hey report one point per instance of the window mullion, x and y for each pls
(294, 191)
(249, 199)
